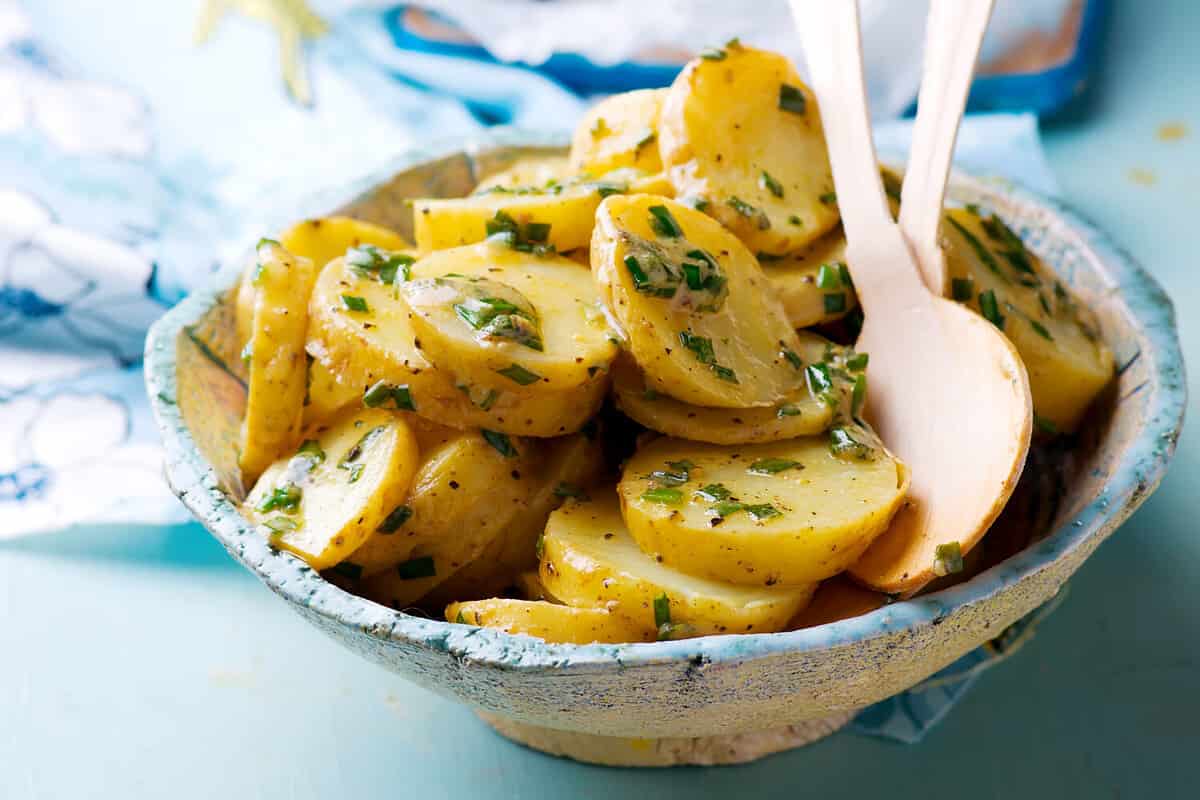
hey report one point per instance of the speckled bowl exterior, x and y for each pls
(715, 684)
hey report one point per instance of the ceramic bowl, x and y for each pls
(716, 698)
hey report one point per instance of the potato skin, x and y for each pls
(278, 369)
(763, 171)
(589, 560)
(1057, 339)
(550, 622)
(826, 510)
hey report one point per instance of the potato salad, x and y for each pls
(611, 395)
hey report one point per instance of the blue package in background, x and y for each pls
(1042, 75)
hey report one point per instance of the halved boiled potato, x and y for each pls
(377, 350)
(619, 131)
(590, 560)
(277, 368)
(993, 272)
(805, 412)
(324, 501)
(763, 170)
(550, 621)
(529, 172)
(813, 284)
(463, 494)
(791, 512)
(698, 312)
(569, 467)
(325, 238)
(495, 317)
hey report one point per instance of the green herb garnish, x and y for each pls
(819, 380)
(668, 497)
(788, 410)
(714, 492)
(790, 355)
(981, 251)
(761, 220)
(280, 525)
(414, 568)
(530, 237)
(770, 184)
(773, 466)
(794, 220)
(858, 362)
(370, 261)
(700, 346)
(539, 547)
(761, 511)
(828, 277)
(962, 289)
(947, 559)
(662, 612)
(679, 473)
(835, 303)
(284, 498)
(829, 198)
(858, 394)
(843, 445)
(1041, 330)
(663, 224)
(382, 393)
(518, 374)
(501, 442)
(350, 461)
(990, 309)
(791, 99)
(355, 303)
(713, 54)
(395, 520)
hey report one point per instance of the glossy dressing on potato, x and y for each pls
(619, 131)
(589, 559)
(496, 317)
(324, 501)
(741, 135)
(693, 303)
(377, 350)
(790, 512)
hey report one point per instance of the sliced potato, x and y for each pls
(619, 131)
(785, 513)
(570, 466)
(530, 172)
(376, 349)
(1068, 363)
(535, 218)
(590, 560)
(804, 413)
(323, 502)
(325, 238)
(278, 368)
(549, 621)
(463, 494)
(813, 283)
(695, 306)
(495, 317)
(763, 171)
(327, 395)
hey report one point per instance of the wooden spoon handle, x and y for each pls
(953, 35)
(829, 34)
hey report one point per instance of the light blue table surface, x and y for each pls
(144, 663)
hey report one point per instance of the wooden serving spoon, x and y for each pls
(953, 34)
(949, 394)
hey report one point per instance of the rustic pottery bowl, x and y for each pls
(716, 699)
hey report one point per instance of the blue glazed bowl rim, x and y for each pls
(1138, 472)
